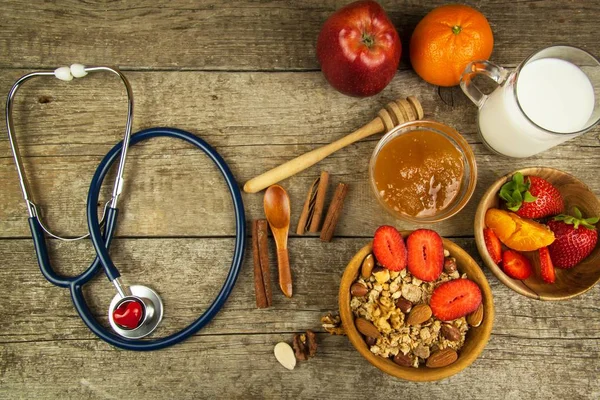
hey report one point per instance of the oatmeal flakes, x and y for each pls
(411, 293)
(404, 348)
(421, 351)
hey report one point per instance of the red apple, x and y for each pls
(359, 49)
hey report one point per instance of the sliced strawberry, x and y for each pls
(493, 245)
(425, 254)
(546, 267)
(389, 248)
(455, 299)
(516, 265)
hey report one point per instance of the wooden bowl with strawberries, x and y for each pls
(450, 320)
(535, 229)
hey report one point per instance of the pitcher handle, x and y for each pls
(483, 67)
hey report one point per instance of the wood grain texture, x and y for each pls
(243, 76)
(247, 35)
(63, 140)
(50, 354)
(187, 273)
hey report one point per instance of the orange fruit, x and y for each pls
(518, 233)
(446, 40)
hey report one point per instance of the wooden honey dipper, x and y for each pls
(393, 114)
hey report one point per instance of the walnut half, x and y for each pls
(305, 345)
(333, 324)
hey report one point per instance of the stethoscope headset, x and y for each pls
(136, 310)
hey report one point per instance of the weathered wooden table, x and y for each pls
(243, 76)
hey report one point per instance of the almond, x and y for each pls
(367, 266)
(285, 355)
(419, 314)
(404, 305)
(366, 328)
(442, 358)
(403, 360)
(450, 332)
(476, 317)
(358, 289)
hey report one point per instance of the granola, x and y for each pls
(382, 305)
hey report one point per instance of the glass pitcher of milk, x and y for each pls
(551, 97)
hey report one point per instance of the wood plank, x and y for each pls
(45, 352)
(188, 273)
(234, 366)
(245, 35)
(62, 146)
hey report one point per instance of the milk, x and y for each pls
(555, 94)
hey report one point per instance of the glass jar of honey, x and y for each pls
(423, 172)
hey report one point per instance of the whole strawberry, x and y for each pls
(576, 237)
(531, 197)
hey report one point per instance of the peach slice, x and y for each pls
(518, 233)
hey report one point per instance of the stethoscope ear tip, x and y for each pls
(68, 73)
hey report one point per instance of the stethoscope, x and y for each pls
(136, 310)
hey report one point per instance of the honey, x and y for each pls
(419, 173)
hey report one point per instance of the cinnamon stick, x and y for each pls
(262, 276)
(333, 212)
(310, 218)
(315, 222)
(305, 214)
(263, 244)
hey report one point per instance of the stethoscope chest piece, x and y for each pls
(137, 314)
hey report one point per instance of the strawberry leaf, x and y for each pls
(506, 190)
(578, 220)
(587, 225)
(592, 221)
(529, 198)
(515, 192)
(518, 179)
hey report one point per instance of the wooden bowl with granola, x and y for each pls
(416, 329)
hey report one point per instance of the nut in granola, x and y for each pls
(441, 358)
(419, 314)
(382, 275)
(403, 360)
(476, 317)
(404, 305)
(358, 289)
(367, 266)
(450, 332)
(450, 265)
(367, 328)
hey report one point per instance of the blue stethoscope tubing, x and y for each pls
(101, 243)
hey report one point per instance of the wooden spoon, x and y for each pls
(277, 211)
